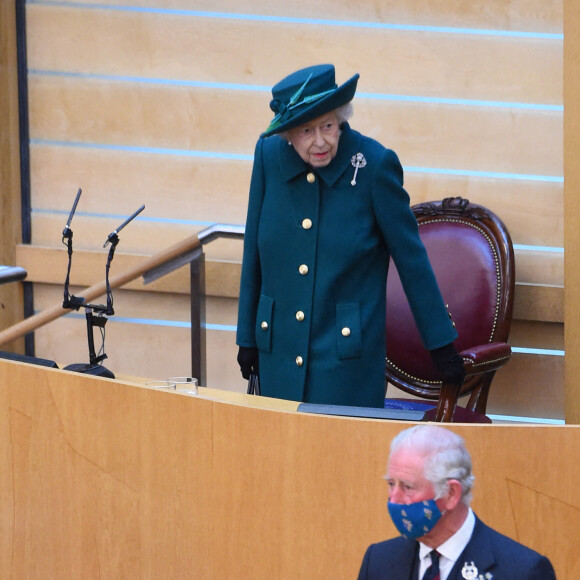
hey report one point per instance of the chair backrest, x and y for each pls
(471, 252)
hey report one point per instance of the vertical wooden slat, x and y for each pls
(11, 301)
(572, 207)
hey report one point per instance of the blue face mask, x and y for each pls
(416, 519)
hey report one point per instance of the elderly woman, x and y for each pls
(326, 210)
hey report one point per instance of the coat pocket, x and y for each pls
(348, 331)
(264, 317)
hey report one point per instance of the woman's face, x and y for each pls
(317, 141)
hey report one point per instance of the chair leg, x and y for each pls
(478, 399)
(447, 402)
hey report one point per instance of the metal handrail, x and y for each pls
(204, 237)
(194, 256)
(221, 231)
(12, 274)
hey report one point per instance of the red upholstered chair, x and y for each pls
(472, 256)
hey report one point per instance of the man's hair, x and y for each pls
(446, 457)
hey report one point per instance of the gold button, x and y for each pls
(264, 325)
(311, 178)
(306, 224)
(303, 269)
(345, 331)
(299, 361)
(300, 316)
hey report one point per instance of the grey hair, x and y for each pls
(343, 114)
(446, 457)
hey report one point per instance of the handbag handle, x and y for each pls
(254, 384)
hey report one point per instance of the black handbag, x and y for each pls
(254, 384)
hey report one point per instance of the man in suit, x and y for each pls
(429, 479)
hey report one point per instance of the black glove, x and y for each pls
(448, 363)
(249, 360)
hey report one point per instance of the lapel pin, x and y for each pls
(357, 161)
(469, 571)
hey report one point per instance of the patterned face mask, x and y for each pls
(416, 519)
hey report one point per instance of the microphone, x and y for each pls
(113, 234)
(67, 234)
(67, 229)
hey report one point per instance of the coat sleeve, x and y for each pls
(251, 279)
(401, 234)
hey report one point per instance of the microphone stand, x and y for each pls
(67, 234)
(95, 314)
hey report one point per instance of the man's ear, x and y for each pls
(453, 496)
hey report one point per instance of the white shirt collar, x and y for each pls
(450, 550)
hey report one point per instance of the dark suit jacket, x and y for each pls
(502, 557)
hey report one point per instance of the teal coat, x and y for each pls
(316, 256)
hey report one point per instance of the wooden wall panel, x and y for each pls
(541, 303)
(504, 140)
(11, 298)
(104, 478)
(112, 501)
(427, 63)
(532, 15)
(572, 207)
(529, 386)
(315, 474)
(200, 189)
(532, 210)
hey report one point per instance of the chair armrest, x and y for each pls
(486, 357)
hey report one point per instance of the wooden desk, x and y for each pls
(108, 479)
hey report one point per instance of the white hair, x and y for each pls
(343, 114)
(446, 457)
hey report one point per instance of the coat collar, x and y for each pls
(479, 550)
(405, 565)
(292, 165)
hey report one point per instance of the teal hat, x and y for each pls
(305, 95)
